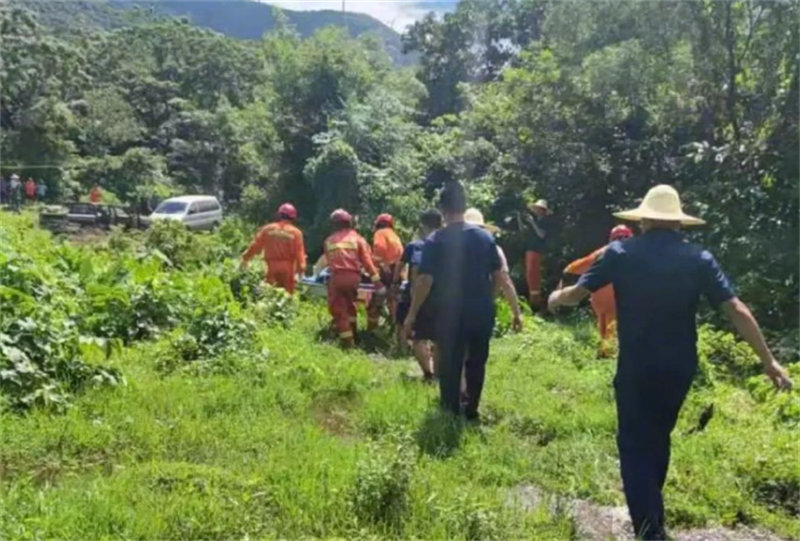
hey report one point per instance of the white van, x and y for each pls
(193, 211)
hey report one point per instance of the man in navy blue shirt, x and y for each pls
(424, 351)
(459, 270)
(658, 279)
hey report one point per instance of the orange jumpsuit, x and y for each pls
(387, 249)
(284, 253)
(603, 303)
(94, 195)
(346, 253)
(533, 276)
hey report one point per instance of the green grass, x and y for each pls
(286, 445)
(286, 436)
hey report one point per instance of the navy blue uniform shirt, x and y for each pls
(412, 255)
(535, 243)
(658, 280)
(461, 259)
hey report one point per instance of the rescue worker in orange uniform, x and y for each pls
(95, 194)
(387, 250)
(282, 245)
(535, 249)
(603, 304)
(347, 254)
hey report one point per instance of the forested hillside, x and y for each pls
(243, 19)
(584, 104)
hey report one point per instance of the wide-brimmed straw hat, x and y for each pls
(540, 203)
(475, 217)
(663, 203)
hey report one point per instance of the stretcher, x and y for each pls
(317, 287)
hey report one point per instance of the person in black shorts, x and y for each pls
(422, 335)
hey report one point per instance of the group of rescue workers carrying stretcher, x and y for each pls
(350, 271)
(453, 272)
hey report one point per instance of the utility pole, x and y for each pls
(344, 14)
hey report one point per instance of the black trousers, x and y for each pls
(647, 409)
(464, 348)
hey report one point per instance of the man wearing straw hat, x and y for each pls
(658, 279)
(536, 247)
(475, 217)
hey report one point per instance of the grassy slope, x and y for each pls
(279, 444)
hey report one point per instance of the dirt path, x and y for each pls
(602, 523)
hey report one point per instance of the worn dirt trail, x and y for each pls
(595, 522)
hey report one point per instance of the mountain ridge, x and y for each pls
(241, 19)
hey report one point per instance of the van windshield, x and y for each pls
(170, 207)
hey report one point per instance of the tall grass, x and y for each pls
(290, 437)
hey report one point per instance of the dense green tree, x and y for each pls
(587, 104)
(137, 173)
(472, 44)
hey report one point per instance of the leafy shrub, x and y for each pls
(172, 239)
(181, 247)
(247, 285)
(121, 240)
(218, 328)
(212, 331)
(380, 492)
(268, 305)
(42, 362)
(235, 235)
(276, 307)
(44, 358)
(785, 405)
(726, 356)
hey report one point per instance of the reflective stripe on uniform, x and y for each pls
(280, 233)
(343, 245)
(346, 334)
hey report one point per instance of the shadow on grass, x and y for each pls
(439, 435)
(380, 341)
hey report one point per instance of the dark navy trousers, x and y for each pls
(463, 347)
(648, 403)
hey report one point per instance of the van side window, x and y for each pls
(193, 208)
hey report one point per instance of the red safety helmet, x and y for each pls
(620, 232)
(341, 215)
(287, 210)
(384, 219)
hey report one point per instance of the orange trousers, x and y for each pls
(605, 309)
(281, 274)
(533, 275)
(342, 295)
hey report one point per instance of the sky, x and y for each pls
(394, 13)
